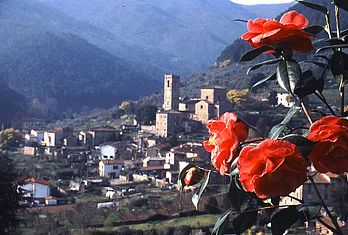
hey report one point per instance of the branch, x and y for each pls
(333, 219)
(306, 112)
(322, 98)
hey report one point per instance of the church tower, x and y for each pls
(171, 92)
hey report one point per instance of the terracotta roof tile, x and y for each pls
(39, 181)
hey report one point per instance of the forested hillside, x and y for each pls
(227, 73)
(65, 55)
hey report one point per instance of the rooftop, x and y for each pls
(112, 162)
(38, 181)
(214, 87)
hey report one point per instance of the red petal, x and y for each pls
(293, 18)
(256, 25)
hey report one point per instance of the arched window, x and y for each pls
(168, 83)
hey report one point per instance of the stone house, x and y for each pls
(103, 134)
(153, 161)
(213, 103)
(111, 168)
(167, 122)
(306, 192)
(55, 137)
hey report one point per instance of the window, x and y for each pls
(104, 156)
(207, 97)
(201, 106)
(168, 83)
(115, 167)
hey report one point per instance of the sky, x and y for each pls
(253, 2)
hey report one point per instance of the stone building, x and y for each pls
(55, 137)
(183, 115)
(167, 122)
(212, 105)
(171, 92)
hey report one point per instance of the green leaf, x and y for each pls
(288, 74)
(342, 4)
(221, 223)
(241, 20)
(236, 194)
(283, 219)
(271, 77)
(321, 83)
(344, 33)
(183, 174)
(335, 41)
(307, 85)
(310, 211)
(314, 6)
(256, 66)
(289, 114)
(276, 131)
(322, 56)
(254, 53)
(304, 145)
(234, 169)
(197, 195)
(313, 29)
(339, 67)
(279, 128)
(332, 47)
(245, 220)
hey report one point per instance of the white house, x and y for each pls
(34, 136)
(36, 189)
(111, 168)
(49, 201)
(285, 99)
(108, 151)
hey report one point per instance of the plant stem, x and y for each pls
(337, 14)
(295, 198)
(322, 98)
(306, 112)
(342, 100)
(333, 219)
(338, 34)
(329, 31)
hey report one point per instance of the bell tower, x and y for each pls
(171, 92)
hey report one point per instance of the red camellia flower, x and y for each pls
(225, 136)
(331, 151)
(285, 34)
(272, 168)
(193, 176)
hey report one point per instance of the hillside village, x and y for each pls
(135, 161)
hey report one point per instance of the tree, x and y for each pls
(9, 196)
(127, 106)
(145, 114)
(237, 96)
(10, 138)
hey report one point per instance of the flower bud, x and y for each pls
(194, 176)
